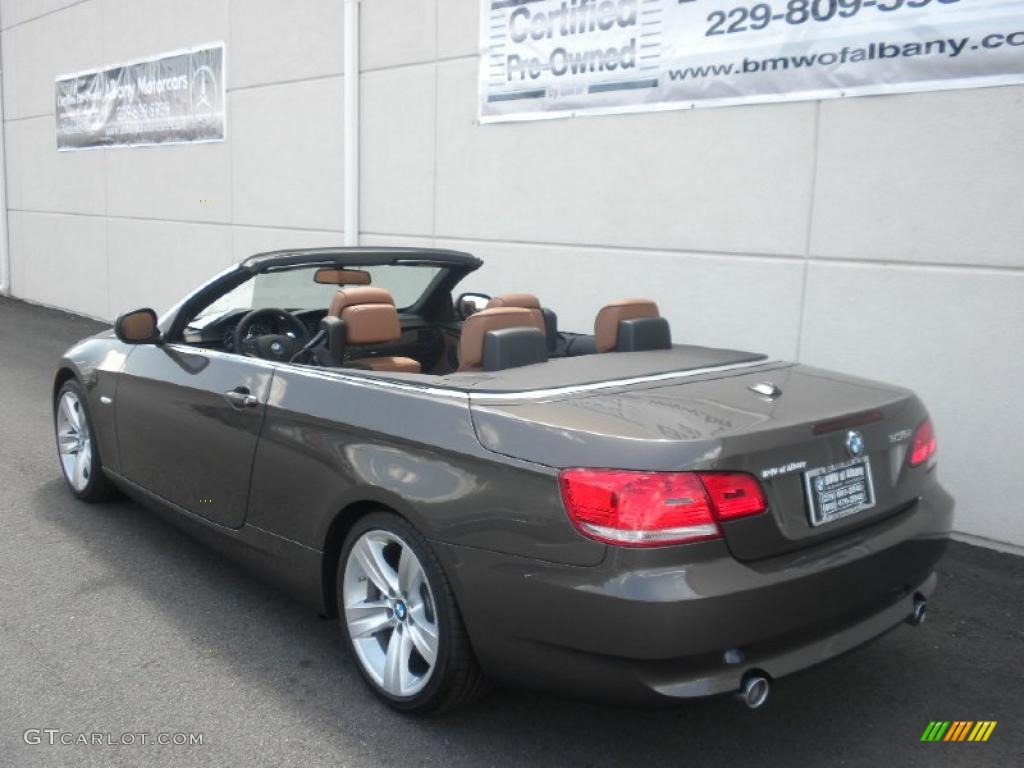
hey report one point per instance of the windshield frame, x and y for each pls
(435, 303)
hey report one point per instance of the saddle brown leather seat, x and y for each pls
(606, 324)
(471, 344)
(371, 318)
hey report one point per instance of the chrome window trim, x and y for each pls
(531, 394)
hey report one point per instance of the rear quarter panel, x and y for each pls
(331, 440)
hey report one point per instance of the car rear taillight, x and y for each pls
(651, 509)
(733, 494)
(923, 446)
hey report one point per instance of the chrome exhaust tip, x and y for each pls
(920, 610)
(754, 689)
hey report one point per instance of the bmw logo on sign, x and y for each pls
(855, 443)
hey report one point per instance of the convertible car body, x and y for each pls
(481, 496)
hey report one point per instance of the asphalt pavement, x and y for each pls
(112, 622)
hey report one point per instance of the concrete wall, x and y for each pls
(881, 236)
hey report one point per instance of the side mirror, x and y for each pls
(471, 303)
(137, 327)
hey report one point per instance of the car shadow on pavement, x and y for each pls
(867, 707)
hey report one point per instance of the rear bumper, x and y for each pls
(657, 623)
(719, 678)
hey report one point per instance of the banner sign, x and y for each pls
(556, 58)
(170, 99)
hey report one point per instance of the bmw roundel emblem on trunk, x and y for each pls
(855, 443)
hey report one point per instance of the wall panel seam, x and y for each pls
(279, 83)
(23, 22)
(439, 60)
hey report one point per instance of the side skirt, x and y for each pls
(289, 565)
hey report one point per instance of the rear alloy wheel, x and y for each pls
(76, 447)
(400, 618)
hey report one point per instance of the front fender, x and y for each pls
(96, 363)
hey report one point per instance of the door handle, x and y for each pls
(241, 397)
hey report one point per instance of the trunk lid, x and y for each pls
(732, 421)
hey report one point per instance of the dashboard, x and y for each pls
(218, 331)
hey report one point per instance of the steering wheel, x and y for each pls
(270, 346)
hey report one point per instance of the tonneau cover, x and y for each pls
(594, 369)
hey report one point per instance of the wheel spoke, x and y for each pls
(80, 478)
(368, 618)
(74, 414)
(65, 411)
(410, 572)
(67, 442)
(424, 638)
(396, 663)
(371, 558)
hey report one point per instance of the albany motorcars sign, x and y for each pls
(172, 98)
(555, 58)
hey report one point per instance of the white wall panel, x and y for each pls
(41, 179)
(749, 303)
(397, 151)
(248, 241)
(457, 28)
(395, 32)
(273, 42)
(135, 29)
(19, 11)
(933, 177)
(36, 52)
(954, 336)
(708, 179)
(157, 263)
(185, 182)
(60, 260)
(287, 150)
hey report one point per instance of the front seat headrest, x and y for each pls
(347, 297)
(371, 324)
(369, 314)
(644, 326)
(476, 327)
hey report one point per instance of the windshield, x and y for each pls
(295, 289)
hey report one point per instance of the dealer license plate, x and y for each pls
(839, 490)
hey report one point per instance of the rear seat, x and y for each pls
(501, 337)
(547, 318)
(625, 325)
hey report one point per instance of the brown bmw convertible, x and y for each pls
(480, 495)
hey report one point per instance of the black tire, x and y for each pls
(456, 678)
(97, 486)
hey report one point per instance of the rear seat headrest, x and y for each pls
(523, 300)
(606, 325)
(471, 344)
(548, 319)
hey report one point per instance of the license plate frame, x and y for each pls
(838, 494)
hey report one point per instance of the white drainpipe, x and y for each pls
(5, 251)
(351, 122)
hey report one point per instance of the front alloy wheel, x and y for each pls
(76, 446)
(401, 620)
(74, 441)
